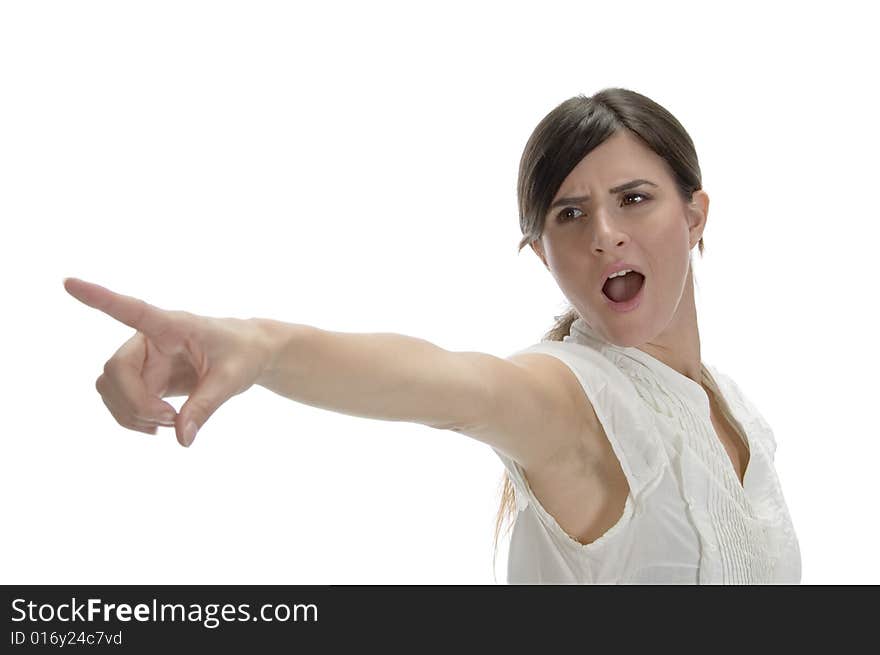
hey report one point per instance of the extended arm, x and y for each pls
(532, 409)
(385, 376)
(528, 406)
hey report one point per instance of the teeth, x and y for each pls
(619, 273)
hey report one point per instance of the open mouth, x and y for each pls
(623, 289)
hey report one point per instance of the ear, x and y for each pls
(697, 213)
(539, 251)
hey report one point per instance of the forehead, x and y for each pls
(618, 159)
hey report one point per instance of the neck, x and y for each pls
(678, 346)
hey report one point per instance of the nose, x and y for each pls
(607, 236)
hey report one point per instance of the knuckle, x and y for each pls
(110, 408)
(124, 420)
(181, 320)
(181, 327)
(110, 365)
(229, 371)
(234, 376)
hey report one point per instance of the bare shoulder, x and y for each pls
(583, 486)
(532, 408)
(534, 411)
(579, 431)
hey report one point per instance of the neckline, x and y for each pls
(695, 393)
(692, 390)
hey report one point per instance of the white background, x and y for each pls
(353, 166)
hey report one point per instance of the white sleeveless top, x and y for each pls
(687, 519)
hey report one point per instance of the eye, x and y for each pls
(563, 216)
(639, 195)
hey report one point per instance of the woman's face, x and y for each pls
(647, 225)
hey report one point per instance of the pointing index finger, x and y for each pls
(132, 311)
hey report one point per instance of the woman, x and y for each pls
(628, 460)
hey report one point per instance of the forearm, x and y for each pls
(385, 376)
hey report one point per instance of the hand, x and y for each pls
(173, 353)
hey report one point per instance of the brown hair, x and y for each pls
(560, 141)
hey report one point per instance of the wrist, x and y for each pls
(274, 338)
(268, 346)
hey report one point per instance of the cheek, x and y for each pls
(571, 266)
(564, 256)
(668, 244)
(666, 256)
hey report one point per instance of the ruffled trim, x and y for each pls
(630, 431)
(736, 531)
(744, 532)
(526, 497)
(746, 412)
(563, 537)
(763, 485)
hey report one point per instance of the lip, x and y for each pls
(630, 304)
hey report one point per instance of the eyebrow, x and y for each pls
(578, 199)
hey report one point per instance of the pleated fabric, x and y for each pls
(687, 519)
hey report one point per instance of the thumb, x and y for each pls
(211, 392)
